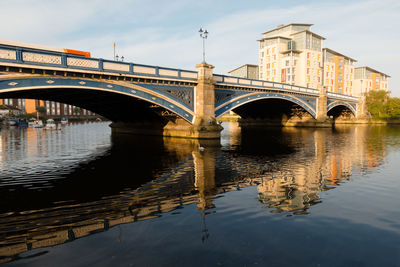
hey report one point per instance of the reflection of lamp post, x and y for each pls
(203, 35)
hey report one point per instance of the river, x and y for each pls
(81, 196)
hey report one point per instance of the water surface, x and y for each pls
(278, 197)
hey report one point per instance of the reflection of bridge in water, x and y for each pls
(304, 162)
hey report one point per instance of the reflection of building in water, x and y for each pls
(333, 161)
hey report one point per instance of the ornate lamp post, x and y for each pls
(203, 35)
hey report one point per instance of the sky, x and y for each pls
(165, 33)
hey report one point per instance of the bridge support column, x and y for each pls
(322, 105)
(362, 111)
(322, 109)
(205, 125)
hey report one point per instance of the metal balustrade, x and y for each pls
(229, 80)
(22, 55)
(343, 97)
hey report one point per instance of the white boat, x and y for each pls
(50, 124)
(31, 123)
(37, 124)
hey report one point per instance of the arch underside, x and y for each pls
(262, 103)
(118, 102)
(339, 105)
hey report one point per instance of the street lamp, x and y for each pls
(203, 35)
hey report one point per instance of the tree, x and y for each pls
(393, 108)
(77, 110)
(41, 110)
(377, 103)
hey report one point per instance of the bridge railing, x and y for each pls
(230, 80)
(68, 61)
(341, 96)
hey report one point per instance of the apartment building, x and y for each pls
(248, 71)
(28, 106)
(338, 72)
(291, 54)
(367, 79)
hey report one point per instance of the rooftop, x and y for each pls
(287, 25)
(338, 54)
(373, 70)
(245, 65)
(319, 36)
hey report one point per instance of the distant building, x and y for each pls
(246, 71)
(338, 74)
(367, 79)
(291, 54)
(28, 106)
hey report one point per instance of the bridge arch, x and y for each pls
(341, 104)
(237, 101)
(72, 90)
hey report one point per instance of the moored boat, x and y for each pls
(64, 120)
(50, 124)
(23, 123)
(37, 124)
(11, 121)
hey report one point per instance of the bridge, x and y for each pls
(163, 101)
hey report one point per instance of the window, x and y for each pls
(294, 62)
(340, 64)
(377, 80)
(287, 63)
(288, 70)
(339, 89)
(262, 54)
(291, 45)
(293, 70)
(293, 78)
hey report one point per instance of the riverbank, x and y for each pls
(236, 118)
